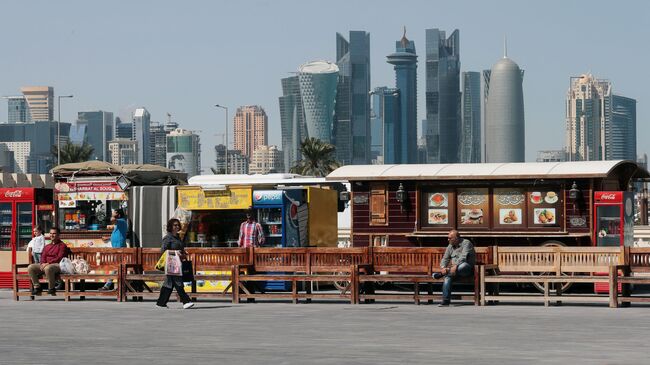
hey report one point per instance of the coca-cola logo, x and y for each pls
(13, 194)
(609, 196)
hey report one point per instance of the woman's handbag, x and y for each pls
(173, 266)
(188, 272)
(160, 265)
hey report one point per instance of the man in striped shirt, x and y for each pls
(250, 232)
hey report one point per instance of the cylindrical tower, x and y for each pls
(318, 91)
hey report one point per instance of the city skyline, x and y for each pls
(160, 80)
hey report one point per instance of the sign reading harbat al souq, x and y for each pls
(267, 197)
(199, 199)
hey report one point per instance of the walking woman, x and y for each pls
(172, 241)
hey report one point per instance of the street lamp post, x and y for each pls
(226, 109)
(58, 130)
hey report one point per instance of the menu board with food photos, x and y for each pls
(473, 207)
(544, 207)
(509, 207)
(438, 209)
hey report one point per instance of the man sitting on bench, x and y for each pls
(458, 261)
(49, 265)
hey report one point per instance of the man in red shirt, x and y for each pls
(49, 265)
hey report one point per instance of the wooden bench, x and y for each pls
(635, 272)
(554, 265)
(137, 275)
(413, 266)
(296, 265)
(104, 264)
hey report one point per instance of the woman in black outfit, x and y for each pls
(172, 242)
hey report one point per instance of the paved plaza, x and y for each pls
(51, 331)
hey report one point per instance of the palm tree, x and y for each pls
(71, 152)
(318, 158)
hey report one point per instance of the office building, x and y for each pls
(551, 156)
(250, 129)
(351, 129)
(184, 152)
(17, 110)
(405, 64)
(470, 127)
(318, 81)
(42, 136)
(266, 159)
(443, 130)
(40, 101)
(123, 130)
(386, 108)
(237, 163)
(620, 131)
(123, 151)
(141, 127)
(588, 114)
(19, 152)
(98, 132)
(158, 144)
(292, 121)
(504, 112)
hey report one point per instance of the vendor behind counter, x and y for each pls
(214, 228)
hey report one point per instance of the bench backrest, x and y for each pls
(638, 258)
(335, 260)
(217, 259)
(557, 259)
(280, 259)
(104, 258)
(417, 260)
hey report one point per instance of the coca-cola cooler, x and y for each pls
(21, 209)
(613, 223)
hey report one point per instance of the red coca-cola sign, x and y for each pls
(608, 196)
(16, 193)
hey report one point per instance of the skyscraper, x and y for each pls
(250, 129)
(42, 136)
(470, 131)
(266, 159)
(18, 110)
(504, 113)
(442, 96)
(405, 61)
(318, 92)
(123, 130)
(158, 144)
(352, 113)
(141, 126)
(237, 164)
(122, 151)
(184, 152)
(292, 121)
(99, 131)
(587, 106)
(386, 108)
(40, 100)
(620, 133)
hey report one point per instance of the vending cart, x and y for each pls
(21, 209)
(280, 212)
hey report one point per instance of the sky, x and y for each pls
(182, 57)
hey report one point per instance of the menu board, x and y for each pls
(473, 207)
(509, 207)
(544, 207)
(438, 212)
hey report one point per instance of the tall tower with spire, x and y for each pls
(505, 130)
(404, 61)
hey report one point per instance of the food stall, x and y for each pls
(87, 193)
(21, 210)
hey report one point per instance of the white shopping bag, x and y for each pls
(173, 266)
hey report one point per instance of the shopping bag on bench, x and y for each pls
(188, 273)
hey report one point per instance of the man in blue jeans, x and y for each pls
(458, 262)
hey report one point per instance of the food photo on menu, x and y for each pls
(438, 200)
(438, 216)
(544, 215)
(510, 216)
(471, 216)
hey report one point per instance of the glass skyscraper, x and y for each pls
(42, 136)
(442, 97)
(387, 111)
(318, 82)
(470, 137)
(352, 134)
(141, 127)
(405, 61)
(18, 110)
(620, 132)
(292, 121)
(99, 131)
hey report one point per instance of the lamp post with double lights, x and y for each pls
(58, 129)
(226, 109)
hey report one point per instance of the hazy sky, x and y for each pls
(183, 57)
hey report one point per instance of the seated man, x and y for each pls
(458, 261)
(49, 265)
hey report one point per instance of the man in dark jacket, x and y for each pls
(49, 265)
(458, 261)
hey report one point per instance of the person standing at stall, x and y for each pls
(251, 233)
(118, 238)
(35, 246)
(172, 241)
